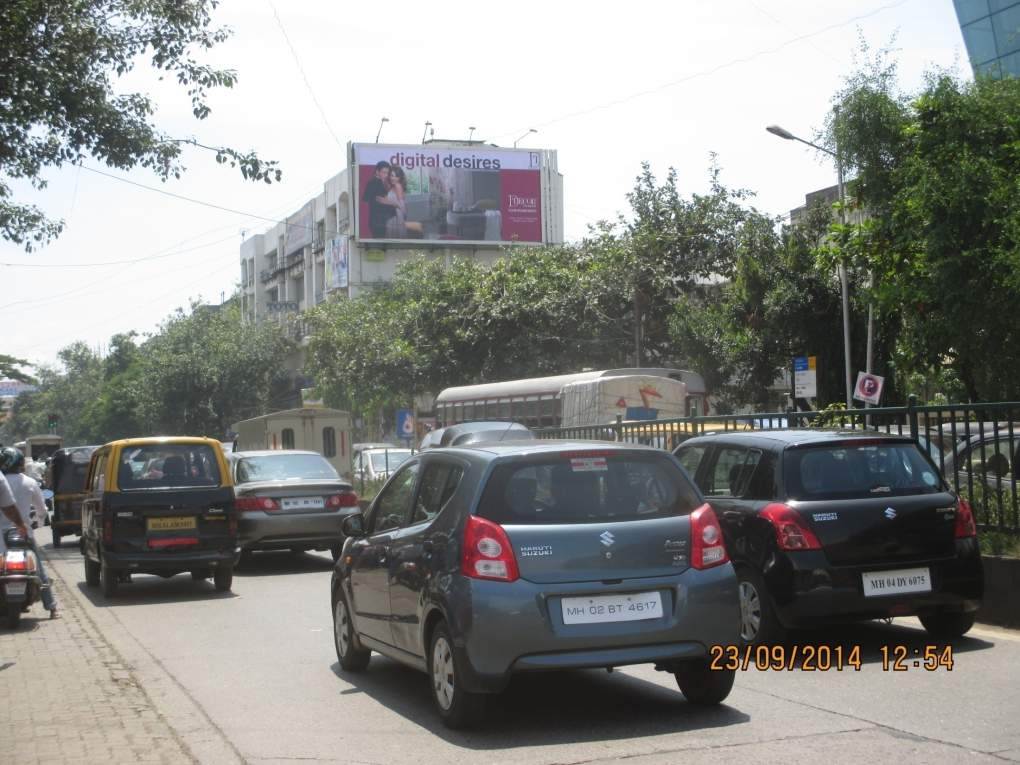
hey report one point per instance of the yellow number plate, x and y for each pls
(172, 524)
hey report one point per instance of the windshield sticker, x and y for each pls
(825, 517)
(588, 464)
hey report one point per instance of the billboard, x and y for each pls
(337, 263)
(448, 194)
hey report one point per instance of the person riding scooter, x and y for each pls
(31, 506)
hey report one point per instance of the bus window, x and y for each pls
(458, 412)
(529, 411)
(469, 411)
(503, 412)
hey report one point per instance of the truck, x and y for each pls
(318, 429)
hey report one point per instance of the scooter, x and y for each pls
(20, 585)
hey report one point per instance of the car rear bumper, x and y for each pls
(807, 590)
(519, 627)
(262, 531)
(166, 561)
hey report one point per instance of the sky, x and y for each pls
(606, 85)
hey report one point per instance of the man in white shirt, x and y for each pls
(30, 507)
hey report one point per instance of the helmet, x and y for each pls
(11, 459)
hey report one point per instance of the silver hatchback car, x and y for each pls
(478, 562)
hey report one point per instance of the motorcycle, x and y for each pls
(20, 585)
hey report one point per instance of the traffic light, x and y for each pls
(52, 421)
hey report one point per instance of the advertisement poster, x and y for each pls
(337, 263)
(471, 194)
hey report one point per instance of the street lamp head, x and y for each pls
(781, 132)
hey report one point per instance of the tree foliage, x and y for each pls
(937, 173)
(12, 368)
(201, 372)
(60, 65)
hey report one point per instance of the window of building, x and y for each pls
(287, 438)
(328, 442)
(244, 272)
(970, 10)
(980, 39)
(1007, 30)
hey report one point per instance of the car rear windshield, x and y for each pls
(583, 487)
(389, 459)
(849, 471)
(164, 466)
(284, 467)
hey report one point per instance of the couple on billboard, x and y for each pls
(387, 209)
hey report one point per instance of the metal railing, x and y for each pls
(975, 446)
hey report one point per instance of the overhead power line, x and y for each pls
(703, 73)
(301, 69)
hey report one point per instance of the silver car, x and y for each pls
(289, 500)
(477, 562)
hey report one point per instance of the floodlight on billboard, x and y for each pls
(474, 194)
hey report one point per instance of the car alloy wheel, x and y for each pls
(443, 678)
(342, 629)
(750, 612)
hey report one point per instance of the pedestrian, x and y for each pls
(29, 512)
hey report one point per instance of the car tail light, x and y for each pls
(107, 529)
(965, 526)
(173, 542)
(344, 499)
(251, 504)
(18, 562)
(707, 546)
(792, 533)
(487, 553)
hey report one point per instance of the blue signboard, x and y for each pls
(641, 413)
(405, 423)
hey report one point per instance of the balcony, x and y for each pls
(268, 274)
(295, 260)
(318, 245)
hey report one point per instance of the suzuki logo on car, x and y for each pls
(890, 513)
(607, 538)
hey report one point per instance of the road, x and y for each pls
(251, 676)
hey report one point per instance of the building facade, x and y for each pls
(459, 198)
(991, 32)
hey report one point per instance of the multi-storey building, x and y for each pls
(456, 198)
(991, 32)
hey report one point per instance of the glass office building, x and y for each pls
(991, 32)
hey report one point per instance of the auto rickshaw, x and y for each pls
(159, 506)
(65, 477)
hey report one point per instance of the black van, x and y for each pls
(159, 506)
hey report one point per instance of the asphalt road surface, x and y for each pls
(251, 676)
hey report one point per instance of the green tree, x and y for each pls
(11, 369)
(937, 172)
(60, 65)
(204, 370)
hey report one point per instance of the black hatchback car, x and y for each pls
(827, 526)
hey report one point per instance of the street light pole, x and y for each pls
(530, 131)
(844, 287)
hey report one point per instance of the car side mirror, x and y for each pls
(353, 525)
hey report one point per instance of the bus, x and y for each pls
(584, 398)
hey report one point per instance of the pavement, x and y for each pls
(173, 671)
(69, 695)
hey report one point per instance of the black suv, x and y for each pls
(827, 526)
